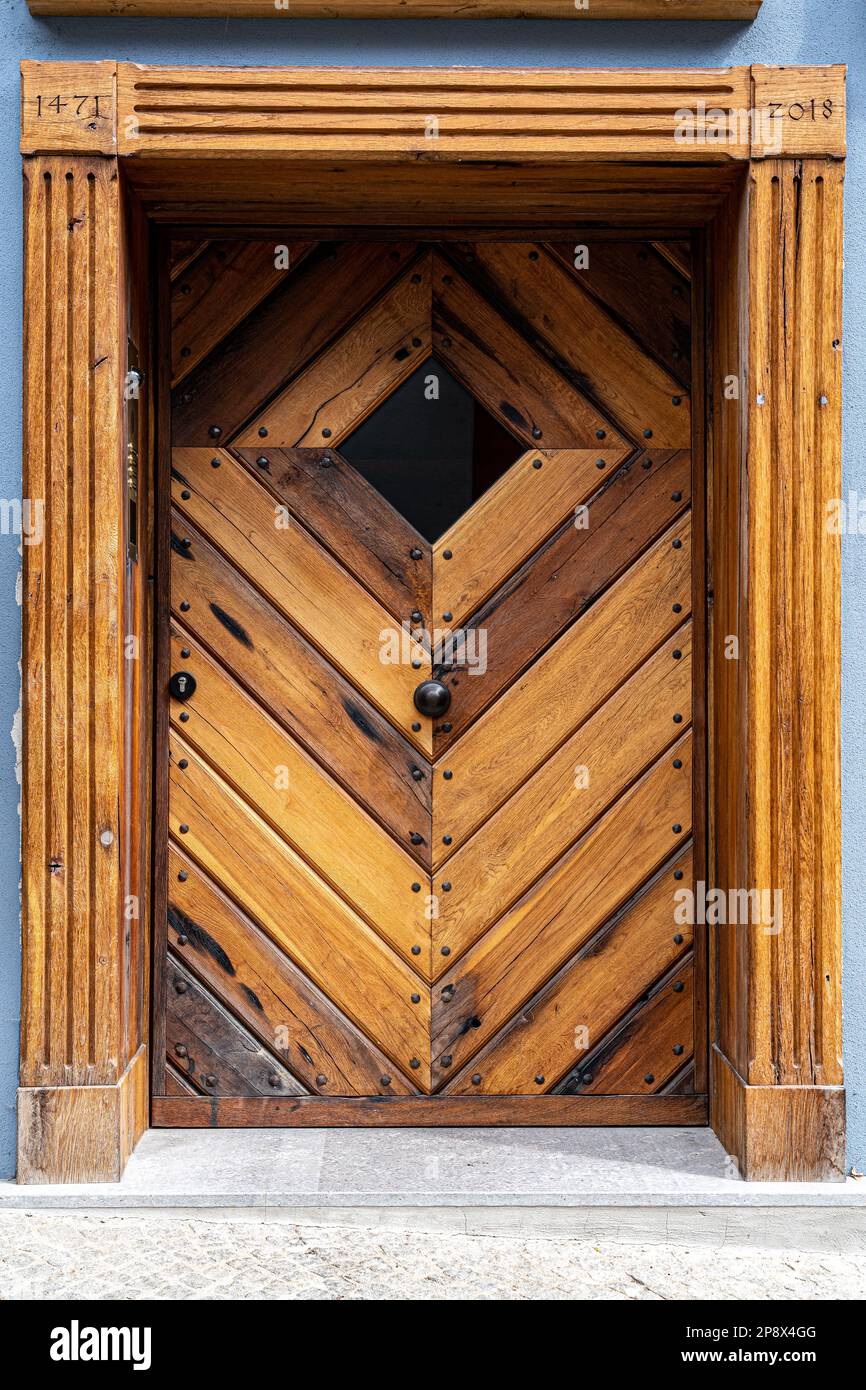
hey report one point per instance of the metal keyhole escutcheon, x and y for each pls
(182, 685)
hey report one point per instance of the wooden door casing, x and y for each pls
(314, 826)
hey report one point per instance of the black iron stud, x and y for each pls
(446, 950)
(414, 1064)
(210, 1079)
(263, 433)
(587, 1078)
(678, 873)
(536, 463)
(183, 876)
(446, 839)
(416, 998)
(677, 654)
(416, 616)
(649, 1078)
(446, 342)
(417, 774)
(601, 434)
(539, 1080)
(184, 829)
(415, 553)
(446, 1060)
(183, 764)
(448, 993)
(326, 434)
(416, 665)
(416, 838)
(447, 727)
(180, 986)
(185, 351)
(263, 461)
(384, 1081)
(447, 774)
(446, 617)
(416, 728)
(182, 939)
(678, 1049)
(447, 279)
(676, 828)
(184, 651)
(647, 434)
(677, 544)
(273, 1079)
(678, 608)
(678, 938)
(446, 887)
(184, 607)
(446, 554)
(184, 718)
(678, 762)
(678, 719)
(321, 1080)
(416, 887)
(476, 1079)
(676, 497)
(416, 950)
(214, 431)
(676, 400)
(185, 496)
(600, 463)
(215, 462)
(180, 1049)
(186, 542)
(678, 987)
(536, 432)
(416, 342)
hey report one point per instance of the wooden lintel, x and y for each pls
(406, 9)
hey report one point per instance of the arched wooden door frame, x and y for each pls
(751, 158)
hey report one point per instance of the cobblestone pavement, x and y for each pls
(43, 1256)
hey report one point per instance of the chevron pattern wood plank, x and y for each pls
(372, 898)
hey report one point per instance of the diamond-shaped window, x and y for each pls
(431, 449)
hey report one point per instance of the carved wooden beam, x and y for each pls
(406, 9)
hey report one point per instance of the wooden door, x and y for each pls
(466, 465)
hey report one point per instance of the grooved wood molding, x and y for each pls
(407, 9)
(747, 166)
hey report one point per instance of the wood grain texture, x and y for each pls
(779, 1133)
(800, 111)
(68, 107)
(302, 581)
(296, 685)
(591, 992)
(267, 991)
(74, 955)
(218, 289)
(424, 1111)
(405, 9)
(508, 522)
(346, 382)
(493, 113)
(612, 638)
(530, 943)
(562, 581)
(573, 329)
(328, 941)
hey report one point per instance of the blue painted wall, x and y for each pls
(788, 31)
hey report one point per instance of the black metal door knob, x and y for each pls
(182, 685)
(432, 698)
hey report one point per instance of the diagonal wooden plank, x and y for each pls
(268, 993)
(531, 942)
(559, 583)
(586, 998)
(182, 252)
(305, 583)
(334, 283)
(310, 810)
(217, 291)
(300, 689)
(647, 1049)
(508, 522)
(300, 913)
(355, 522)
(567, 793)
(648, 294)
(586, 343)
(352, 375)
(517, 384)
(212, 1049)
(562, 688)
